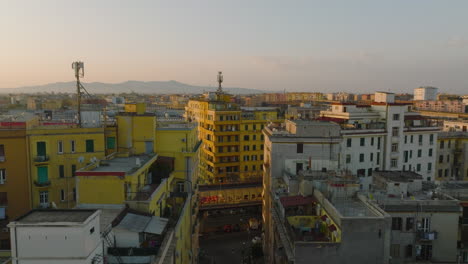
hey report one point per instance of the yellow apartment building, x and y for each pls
(14, 181)
(56, 152)
(232, 140)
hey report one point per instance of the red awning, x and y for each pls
(332, 228)
(323, 217)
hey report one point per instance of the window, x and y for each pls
(61, 171)
(420, 140)
(44, 198)
(254, 147)
(405, 156)
(254, 157)
(254, 127)
(446, 173)
(448, 158)
(372, 141)
(396, 223)
(91, 231)
(395, 131)
(2, 176)
(361, 157)
(246, 168)
(418, 167)
(41, 149)
(395, 250)
(74, 194)
(361, 173)
(425, 224)
(300, 148)
(372, 157)
(363, 142)
(441, 144)
(449, 144)
(430, 152)
(409, 223)
(110, 143)
(254, 167)
(2, 153)
(73, 170)
(409, 251)
(246, 137)
(348, 142)
(406, 139)
(246, 127)
(396, 117)
(419, 153)
(261, 146)
(42, 174)
(348, 158)
(89, 145)
(299, 167)
(72, 146)
(62, 195)
(431, 139)
(441, 158)
(246, 158)
(429, 166)
(394, 163)
(180, 187)
(378, 158)
(254, 137)
(378, 143)
(395, 147)
(369, 172)
(246, 148)
(262, 137)
(60, 146)
(411, 139)
(439, 173)
(410, 154)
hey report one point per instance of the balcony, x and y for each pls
(426, 235)
(42, 183)
(42, 158)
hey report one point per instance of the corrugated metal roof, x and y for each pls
(156, 225)
(142, 223)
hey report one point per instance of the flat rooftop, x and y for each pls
(123, 164)
(399, 176)
(56, 215)
(350, 207)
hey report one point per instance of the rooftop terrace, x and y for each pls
(120, 166)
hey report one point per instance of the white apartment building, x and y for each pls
(57, 236)
(383, 136)
(425, 93)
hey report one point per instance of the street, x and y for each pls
(226, 248)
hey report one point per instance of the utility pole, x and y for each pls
(78, 66)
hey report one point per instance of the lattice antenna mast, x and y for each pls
(78, 66)
(220, 80)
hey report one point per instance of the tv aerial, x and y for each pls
(78, 66)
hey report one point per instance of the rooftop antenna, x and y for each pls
(220, 80)
(78, 66)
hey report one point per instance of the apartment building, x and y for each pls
(424, 220)
(311, 209)
(426, 93)
(450, 106)
(14, 181)
(232, 141)
(383, 136)
(452, 152)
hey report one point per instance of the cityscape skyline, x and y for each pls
(307, 47)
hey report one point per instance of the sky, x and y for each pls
(320, 46)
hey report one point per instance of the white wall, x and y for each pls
(126, 238)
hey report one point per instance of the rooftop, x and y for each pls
(56, 215)
(350, 207)
(399, 176)
(120, 165)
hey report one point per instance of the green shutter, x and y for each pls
(111, 143)
(41, 148)
(89, 145)
(42, 174)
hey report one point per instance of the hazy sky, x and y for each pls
(306, 45)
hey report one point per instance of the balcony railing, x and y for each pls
(42, 158)
(42, 183)
(426, 235)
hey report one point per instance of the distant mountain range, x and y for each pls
(156, 87)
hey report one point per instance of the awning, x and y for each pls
(332, 228)
(323, 217)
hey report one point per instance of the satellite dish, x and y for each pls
(81, 159)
